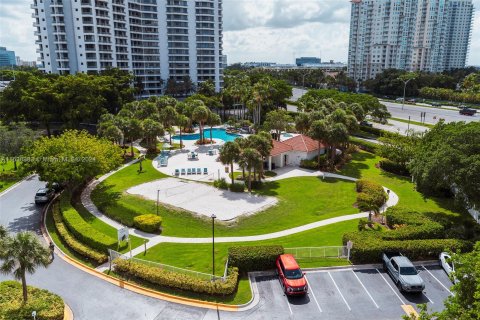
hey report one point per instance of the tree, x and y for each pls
(447, 159)
(319, 131)
(111, 132)
(213, 120)
(262, 142)
(302, 123)
(278, 120)
(250, 158)
(206, 88)
(13, 139)
(398, 148)
(182, 123)
(72, 158)
(133, 131)
(151, 130)
(201, 114)
(23, 253)
(169, 116)
(229, 153)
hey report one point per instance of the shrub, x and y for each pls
(148, 223)
(48, 306)
(8, 175)
(255, 184)
(394, 167)
(237, 187)
(83, 231)
(375, 131)
(221, 184)
(73, 243)
(254, 258)
(369, 192)
(176, 280)
(309, 164)
(364, 145)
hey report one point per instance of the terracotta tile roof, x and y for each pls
(302, 143)
(279, 148)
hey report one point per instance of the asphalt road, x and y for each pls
(414, 112)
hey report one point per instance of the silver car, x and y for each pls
(44, 195)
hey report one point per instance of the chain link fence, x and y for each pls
(306, 253)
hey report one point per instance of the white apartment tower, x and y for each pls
(426, 35)
(154, 39)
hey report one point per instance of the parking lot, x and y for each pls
(353, 294)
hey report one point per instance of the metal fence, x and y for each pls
(199, 275)
(318, 252)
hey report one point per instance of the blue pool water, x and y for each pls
(216, 134)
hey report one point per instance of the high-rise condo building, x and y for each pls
(156, 40)
(427, 35)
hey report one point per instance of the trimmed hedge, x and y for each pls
(372, 130)
(221, 184)
(254, 258)
(73, 243)
(48, 306)
(237, 187)
(148, 223)
(83, 231)
(370, 192)
(393, 167)
(364, 145)
(176, 280)
(415, 234)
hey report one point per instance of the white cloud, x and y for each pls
(266, 30)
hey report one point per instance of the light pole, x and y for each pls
(404, 91)
(213, 216)
(158, 199)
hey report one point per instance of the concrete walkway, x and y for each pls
(282, 173)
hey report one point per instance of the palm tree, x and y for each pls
(169, 116)
(23, 253)
(302, 123)
(250, 158)
(261, 142)
(200, 114)
(182, 122)
(213, 120)
(319, 131)
(230, 153)
(337, 135)
(3, 232)
(151, 130)
(260, 94)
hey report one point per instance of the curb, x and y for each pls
(67, 313)
(13, 186)
(130, 286)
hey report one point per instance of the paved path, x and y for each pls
(282, 173)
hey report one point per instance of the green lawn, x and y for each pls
(363, 166)
(428, 125)
(198, 257)
(8, 176)
(301, 200)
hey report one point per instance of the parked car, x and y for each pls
(435, 104)
(57, 187)
(399, 99)
(403, 272)
(291, 277)
(44, 195)
(366, 124)
(412, 100)
(467, 111)
(448, 265)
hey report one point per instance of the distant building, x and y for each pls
(410, 35)
(25, 63)
(258, 64)
(307, 60)
(224, 61)
(7, 58)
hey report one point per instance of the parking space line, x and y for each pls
(428, 298)
(366, 290)
(339, 292)
(437, 280)
(391, 287)
(313, 294)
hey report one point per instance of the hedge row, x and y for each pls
(364, 145)
(414, 234)
(148, 223)
(83, 231)
(370, 192)
(393, 167)
(48, 306)
(254, 258)
(372, 130)
(176, 280)
(73, 243)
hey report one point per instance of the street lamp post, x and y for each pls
(213, 216)
(404, 91)
(158, 199)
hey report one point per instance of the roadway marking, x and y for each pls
(437, 280)
(409, 310)
(391, 287)
(428, 298)
(286, 297)
(340, 292)
(313, 294)
(366, 290)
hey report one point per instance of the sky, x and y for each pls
(254, 30)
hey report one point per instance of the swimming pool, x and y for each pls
(217, 133)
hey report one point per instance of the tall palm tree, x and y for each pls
(260, 95)
(230, 153)
(319, 131)
(169, 116)
(251, 158)
(213, 120)
(182, 122)
(200, 114)
(262, 142)
(151, 130)
(337, 135)
(23, 253)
